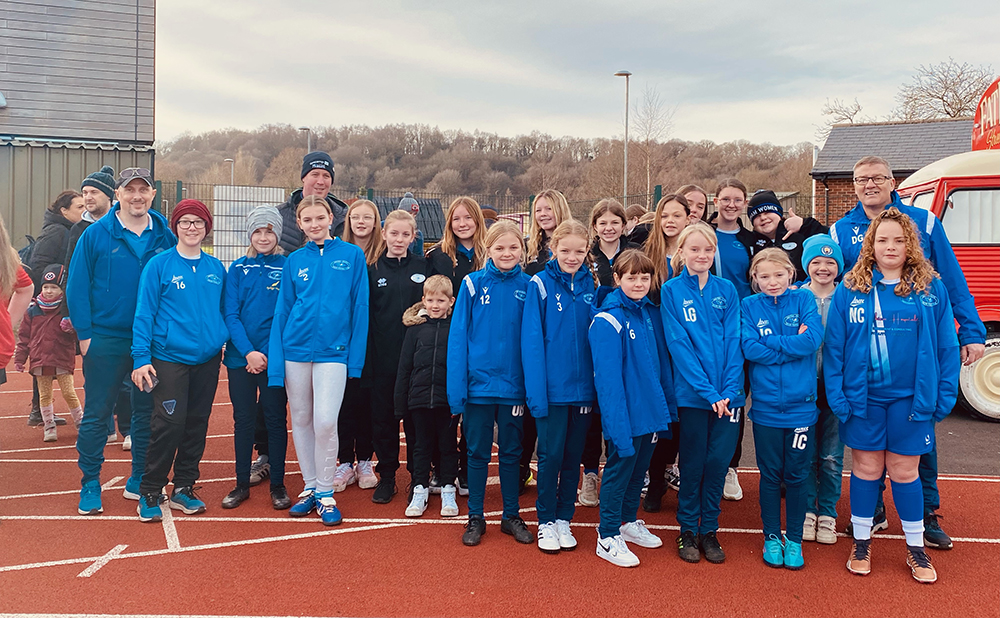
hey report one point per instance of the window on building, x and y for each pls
(972, 216)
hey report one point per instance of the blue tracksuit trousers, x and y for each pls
(561, 436)
(479, 420)
(707, 445)
(783, 456)
(621, 487)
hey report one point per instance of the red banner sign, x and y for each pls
(986, 127)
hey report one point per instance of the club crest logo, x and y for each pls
(788, 246)
(169, 406)
(826, 250)
(588, 298)
(719, 302)
(929, 300)
(340, 265)
(417, 278)
(214, 279)
(791, 320)
(274, 275)
(519, 294)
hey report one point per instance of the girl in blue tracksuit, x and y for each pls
(318, 339)
(634, 388)
(701, 319)
(559, 378)
(251, 291)
(485, 377)
(781, 332)
(890, 316)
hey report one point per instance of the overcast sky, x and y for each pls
(757, 70)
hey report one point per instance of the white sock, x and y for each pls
(914, 532)
(863, 527)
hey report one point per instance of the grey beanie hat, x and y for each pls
(264, 216)
(407, 203)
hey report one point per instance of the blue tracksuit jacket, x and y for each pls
(702, 328)
(252, 287)
(322, 311)
(103, 282)
(178, 317)
(555, 352)
(849, 232)
(484, 347)
(847, 352)
(782, 362)
(631, 369)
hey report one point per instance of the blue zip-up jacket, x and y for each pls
(252, 287)
(782, 362)
(322, 311)
(847, 352)
(484, 347)
(103, 282)
(702, 328)
(178, 317)
(555, 351)
(849, 233)
(631, 369)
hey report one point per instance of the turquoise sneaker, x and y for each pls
(793, 555)
(327, 509)
(773, 553)
(305, 505)
(90, 499)
(184, 500)
(131, 489)
(149, 507)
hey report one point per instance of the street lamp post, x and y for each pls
(626, 75)
(308, 131)
(232, 171)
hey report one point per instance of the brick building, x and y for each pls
(907, 146)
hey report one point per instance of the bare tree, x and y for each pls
(945, 90)
(838, 112)
(653, 122)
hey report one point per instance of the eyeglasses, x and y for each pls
(726, 201)
(187, 224)
(134, 172)
(365, 218)
(863, 180)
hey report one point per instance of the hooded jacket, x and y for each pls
(847, 352)
(50, 246)
(103, 282)
(603, 265)
(422, 379)
(849, 233)
(394, 285)
(322, 311)
(702, 328)
(292, 237)
(252, 288)
(791, 245)
(555, 351)
(631, 369)
(782, 362)
(42, 339)
(484, 348)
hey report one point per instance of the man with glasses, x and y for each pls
(317, 179)
(875, 188)
(101, 294)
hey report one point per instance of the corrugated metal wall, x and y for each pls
(32, 174)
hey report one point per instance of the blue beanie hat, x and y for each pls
(103, 181)
(822, 245)
(317, 161)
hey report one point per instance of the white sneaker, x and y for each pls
(809, 527)
(732, 489)
(590, 491)
(127, 443)
(826, 530)
(548, 538)
(615, 551)
(366, 475)
(567, 542)
(449, 508)
(112, 437)
(419, 503)
(636, 532)
(343, 477)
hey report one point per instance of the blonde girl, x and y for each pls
(16, 290)
(364, 229)
(549, 209)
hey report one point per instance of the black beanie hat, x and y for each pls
(317, 161)
(54, 273)
(764, 201)
(103, 181)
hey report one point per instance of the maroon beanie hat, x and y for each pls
(191, 207)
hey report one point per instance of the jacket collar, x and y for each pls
(570, 282)
(857, 214)
(492, 271)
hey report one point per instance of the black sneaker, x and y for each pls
(35, 419)
(385, 490)
(435, 486)
(687, 547)
(474, 531)
(652, 502)
(516, 528)
(673, 478)
(526, 478)
(279, 498)
(934, 536)
(711, 548)
(463, 483)
(236, 497)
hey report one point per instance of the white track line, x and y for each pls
(111, 483)
(169, 530)
(106, 558)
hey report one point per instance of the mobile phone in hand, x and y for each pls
(153, 381)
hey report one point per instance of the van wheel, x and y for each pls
(979, 385)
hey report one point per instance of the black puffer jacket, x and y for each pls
(50, 247)
(791, 245)
(422, 380)
(394, 285)
(292, 237)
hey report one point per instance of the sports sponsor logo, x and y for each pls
(303, 274)
(687, 303)
(761, 323)
(857, 302)
(178, 280)
(382, 282)
(170, 406)
(340, 265)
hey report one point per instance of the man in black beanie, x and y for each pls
(317, 179)
(98, 191)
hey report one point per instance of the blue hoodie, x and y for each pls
(631, 369)
(322, 311)
(484, 351)
(702, 328)
(847, 352)
(252, 287)
(103, 282)
(782, 362)
(555, 352)
(849, 233)
(178, 317)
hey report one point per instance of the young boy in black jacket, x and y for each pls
(421, 389)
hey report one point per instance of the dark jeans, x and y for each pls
(664, 456)
(826, 469)
(434, 427)
(249, 393)
(182, 405)
(354, 425)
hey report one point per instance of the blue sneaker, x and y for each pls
(774, 553)
(326, 506)
(793, 555)
(184, 500)
(90, 499)
(305, 505)
(131, 489)
(149, 507)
